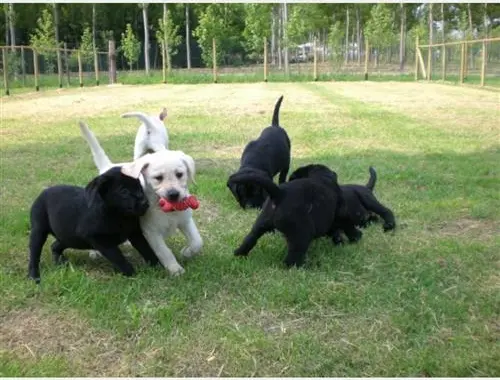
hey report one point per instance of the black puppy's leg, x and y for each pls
(297, 249)
(262, 225)
(57, 253)
(38, 237)
(283, 174)
(353, 234)
(142, 246)
(336, 236)
(116, 257)
(372, 204)
(251, 239)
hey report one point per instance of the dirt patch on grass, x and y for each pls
(449, 106)
(239, 99)
(34, 333)
(480, 229)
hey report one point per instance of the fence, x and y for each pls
(476, 61)
(472, 61)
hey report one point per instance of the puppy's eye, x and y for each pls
(159, 178)
(179, 175)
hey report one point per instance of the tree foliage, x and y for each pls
(130, 46)
(44, 40)
(167, 29)
(380, 27)
(257, 26)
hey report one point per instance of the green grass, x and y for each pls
(423, 301)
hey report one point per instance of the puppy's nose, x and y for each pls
(173, 195)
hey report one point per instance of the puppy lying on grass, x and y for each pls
(266, 156)
(100, 216)
(359, 205)
(303, 209)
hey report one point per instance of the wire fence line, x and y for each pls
(476, 62)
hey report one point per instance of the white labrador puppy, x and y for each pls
(152, 135)
(166, 174)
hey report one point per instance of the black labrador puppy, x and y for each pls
(359, 205)
(100, 216)
(265, 156)
(302, 210)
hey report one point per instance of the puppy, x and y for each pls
(302, 210)
(166, 174)
(359, 205)
(265, 156)
(152, 135)
(100, 216)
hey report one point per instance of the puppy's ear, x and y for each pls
(163, 114)
(189, 162)
(95, 189)
(134, 169)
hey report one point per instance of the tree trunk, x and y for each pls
(443, 26)
(285, 36)
(431, 38)
(146, 36)
(273, 35)
(94, 29)
(188, 35)
(485, 21)
(280, 34)
(166, 53)
(56, 30)
(358, 35)
(469, 11)
(346, 35)
(6, 11)
(12, 26)
(402, 38)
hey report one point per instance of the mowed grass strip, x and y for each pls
(423, 301)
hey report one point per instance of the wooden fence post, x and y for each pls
(112, 61)
(35, 69)
(416, 58)
(214, 53)
(59, 67)
(483, 63)
(429, 62)
(66, 59)
(315, 58)
(80, 71)
(265, 59)
(96, 68)
(462, 58)
(367, 56)
(443, 67)
(466, 61)
(5, 71)
(23, 66)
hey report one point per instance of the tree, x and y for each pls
(11, 21)
(188, 35)
(87, 46)
(220, 22)
(130, 46)
(167, 36)
(144, 7)
(257, 26)
(44, 40)
(379, 28)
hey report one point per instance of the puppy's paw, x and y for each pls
(389, 226)
(175, 269)
(60, 259)
(94, 255)
(337, 241)
(355, 236)
(189, 252)
(240, 252)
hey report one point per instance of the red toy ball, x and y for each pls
(188, 202)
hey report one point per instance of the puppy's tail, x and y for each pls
(101, 160)
(276, 113)
(267, 184)
(373, 179)
(150, 127)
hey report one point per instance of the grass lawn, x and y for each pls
(423, 301)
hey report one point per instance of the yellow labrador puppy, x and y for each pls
(166, 174)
